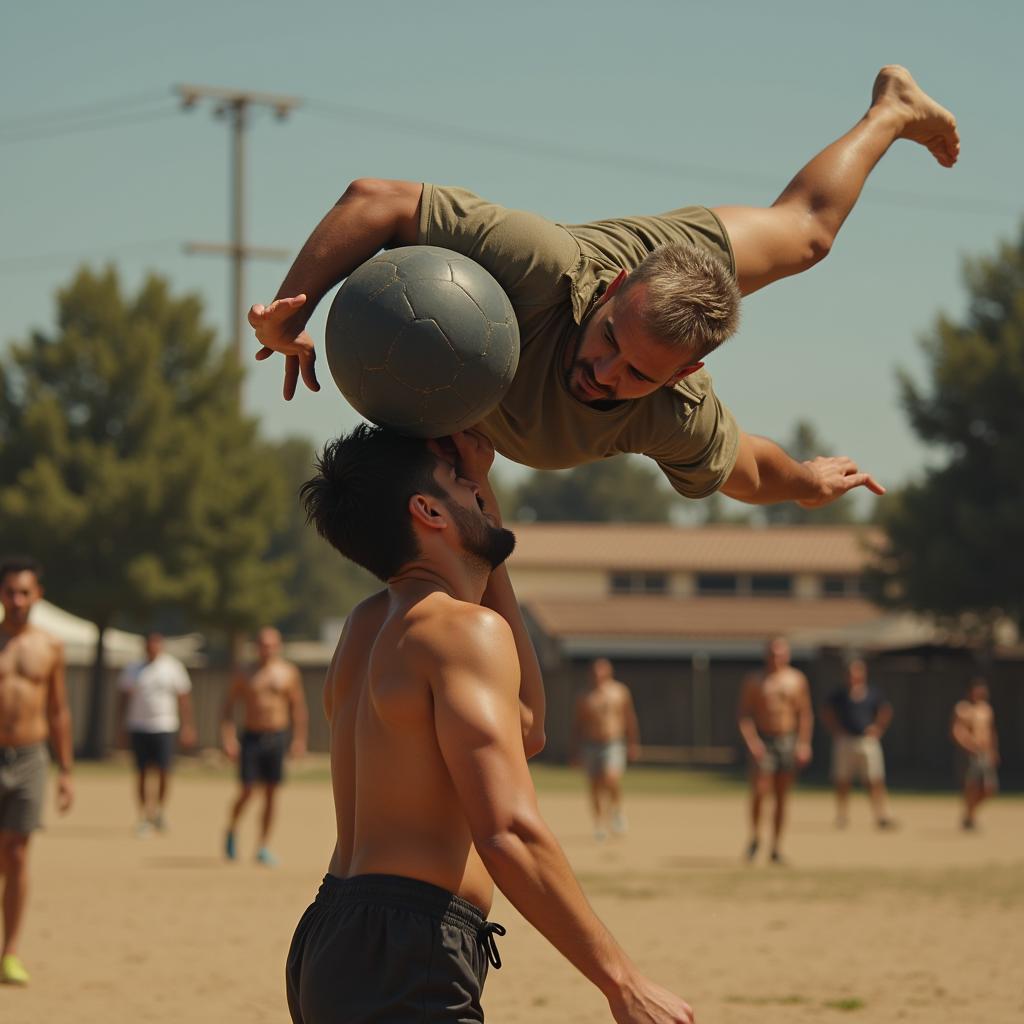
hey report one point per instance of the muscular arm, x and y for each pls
(882, 720)
(746, 722)
(805, 721)
(228, 734)
(299, 715)
(765, 474)
(632, 726)
(58, 719)
(370, 216)
(961, 733)
(476, 716)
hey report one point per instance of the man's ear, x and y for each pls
(684, 372)
(620, 279)
(428, 512)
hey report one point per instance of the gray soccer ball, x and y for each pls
(422, 340)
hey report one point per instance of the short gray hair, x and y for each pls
(692, 299)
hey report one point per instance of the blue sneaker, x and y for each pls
(266, 858)
(230, 851)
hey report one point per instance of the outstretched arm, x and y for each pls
(764, 474)
(798, 229)
(59, 721)
(476, 715)
(370, 215)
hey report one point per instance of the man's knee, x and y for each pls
(13, 853)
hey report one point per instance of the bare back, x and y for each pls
(267, 696)
(396, 806)
(28, 662)
(774, 700)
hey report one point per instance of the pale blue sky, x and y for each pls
(607, 108)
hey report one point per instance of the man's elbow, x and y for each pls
(534, 741)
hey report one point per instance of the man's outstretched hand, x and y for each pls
(834, 476)
(276, 330)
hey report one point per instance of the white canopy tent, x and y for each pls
(122, 648)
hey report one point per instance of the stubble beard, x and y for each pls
(485, 545)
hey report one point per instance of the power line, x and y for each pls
(380, 119)
(97, 124)
(111, 105)
(14, 265)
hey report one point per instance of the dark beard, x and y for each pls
(483, 543)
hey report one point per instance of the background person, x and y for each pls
(154, 704)
(33, 710)
(605, 735)
(776, 721)
(974, 733)
(857, 716)
(274, 708)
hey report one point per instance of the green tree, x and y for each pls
(127, 467)
(955, 543)
(320, 583)
(619, 490)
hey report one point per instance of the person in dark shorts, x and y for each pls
(434, 701)
(155, 709)
(33, 711)
(274, 707)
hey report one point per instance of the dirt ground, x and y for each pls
(920, 925)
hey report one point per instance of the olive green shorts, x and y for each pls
(22, 785)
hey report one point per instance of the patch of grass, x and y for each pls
(847, 1003)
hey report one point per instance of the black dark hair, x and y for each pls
(359, 499)
(20, 563)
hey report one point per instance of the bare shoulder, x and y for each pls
(623, 692)
(445, 629)
(962, 709)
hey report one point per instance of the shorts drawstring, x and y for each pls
(486, 939)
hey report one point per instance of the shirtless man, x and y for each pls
(616, 316)
(273, 702)
(974, 733)
(33, 710)
(605, 730)
(434, 699)
(776, 722)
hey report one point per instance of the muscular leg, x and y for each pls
(760, 784)
(780, 783)
(239, 805)
(15, 866)
(269, 797)
(597, 801)
(842, 801)
(799, 228)
(164, 777)
(879, 801)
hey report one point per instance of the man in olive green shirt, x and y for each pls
(605, 365)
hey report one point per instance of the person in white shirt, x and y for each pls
(154, 705)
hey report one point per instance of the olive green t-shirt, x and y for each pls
(554, 274)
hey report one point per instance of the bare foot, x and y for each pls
(922, 119)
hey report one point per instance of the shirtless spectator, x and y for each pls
(274, 709)
(776, 721)
(605, 734)
(33, 710)
(974, 733)
(434, 700)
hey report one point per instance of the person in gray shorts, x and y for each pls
(33, 709)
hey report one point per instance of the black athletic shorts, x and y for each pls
(389, 950)
(156, 748)
(261, 757)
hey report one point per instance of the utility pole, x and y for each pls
(234, 105)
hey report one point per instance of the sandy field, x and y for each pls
(921, 925)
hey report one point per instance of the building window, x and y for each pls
(841, 586)
(639, 583)
(771, 585)
(710, 584)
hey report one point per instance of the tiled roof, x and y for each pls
(642, 547)
(663, 618)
